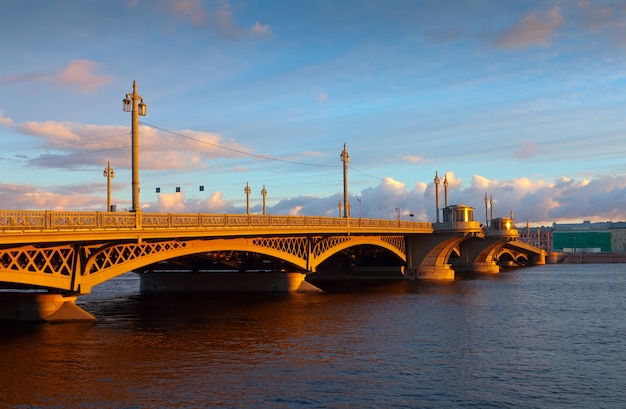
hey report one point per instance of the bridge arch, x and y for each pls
(114, 260)
(328, 247)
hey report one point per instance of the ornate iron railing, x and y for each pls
(21, 220)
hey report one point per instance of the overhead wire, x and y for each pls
(242, 152)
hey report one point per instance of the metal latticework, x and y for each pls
(110, 256)
(296, 246)
(56, 260)
(324, 244)
(398, 242)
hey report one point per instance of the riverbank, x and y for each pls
(585, 258)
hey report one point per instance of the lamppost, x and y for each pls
(436, 180)
(109, 174)
(264, 194)
(340, 206)
(345, 158)
(360, 207)
(134, 103)
(398, 210)
(247, 190)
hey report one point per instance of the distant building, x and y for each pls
(585, 237)
(540, 237)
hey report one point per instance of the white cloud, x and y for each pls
(538, 201)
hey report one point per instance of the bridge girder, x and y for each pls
(76, 268)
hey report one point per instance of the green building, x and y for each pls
(583, 237)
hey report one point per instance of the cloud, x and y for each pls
(190, 8)
(67, 145)
(79, 73)
(412, 158)
(5, 120)
(526, 150)
(261, 29)
(537, 201)
(532, 30)
(221, 19)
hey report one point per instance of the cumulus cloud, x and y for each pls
(536, 201)
(532, 30)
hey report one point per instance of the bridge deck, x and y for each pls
(49, 226)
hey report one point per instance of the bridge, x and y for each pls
(49, 258)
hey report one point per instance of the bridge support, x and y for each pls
(483, 267)
(444, 272)
(41, 307)
(162, 282)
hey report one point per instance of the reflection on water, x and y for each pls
(550, 336)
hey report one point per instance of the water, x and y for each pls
(542, 337)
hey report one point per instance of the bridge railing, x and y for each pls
(23, 220)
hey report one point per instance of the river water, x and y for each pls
(542, 337)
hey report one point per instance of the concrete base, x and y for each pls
(41, 307)
(162, 282)
(434, 273)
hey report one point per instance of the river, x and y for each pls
(549, 336)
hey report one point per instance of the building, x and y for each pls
(540, 237)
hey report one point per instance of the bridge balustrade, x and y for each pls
(24, 220)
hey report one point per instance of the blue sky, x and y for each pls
(523, 101)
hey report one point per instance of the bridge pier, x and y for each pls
(443, 272)
(41, 307)
(282, 282)
(483, 267)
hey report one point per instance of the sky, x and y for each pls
(522, 101)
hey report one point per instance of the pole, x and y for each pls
(247, 191)
(437, 194)
(135, 147)
(486, 211)
(445, 187)
(264, 194)
(134, 104)
(109, 175)
(345, 158)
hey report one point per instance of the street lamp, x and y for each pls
(264, 194)
(109, 174)
(360, 207)
(247, 191)
(134, 103)
(340, 205)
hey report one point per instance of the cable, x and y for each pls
(64, 156)
(365, 174)
(82, 142)
(238, 150)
